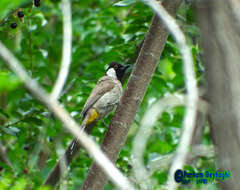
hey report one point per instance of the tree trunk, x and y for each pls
(139, 80)
(220, 29)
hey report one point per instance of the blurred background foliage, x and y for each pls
(103, 31)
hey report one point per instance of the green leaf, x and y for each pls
(10, 130)
(33, 120)
(102, 33)
(6, 6)
(2, 112)
(20, 184)
(8, 81)
(165, 66)
(124, 3)
(6, 181)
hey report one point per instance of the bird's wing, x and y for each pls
(104, 85)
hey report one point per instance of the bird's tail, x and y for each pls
(75, 141)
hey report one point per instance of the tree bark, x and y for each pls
(137, 85)
(220, 29)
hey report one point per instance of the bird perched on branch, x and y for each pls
(105, 96)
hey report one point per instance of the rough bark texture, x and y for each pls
(137, 85)
(220, 29)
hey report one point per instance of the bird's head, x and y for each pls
(116, 70)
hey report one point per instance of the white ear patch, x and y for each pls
(111, 73)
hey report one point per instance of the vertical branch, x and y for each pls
(63, 165)
(3, 104)
(191, 85)
(141, 174)
(140, 140)
(137, 85)
(220, 34)
(106, 165)
(66, 50)
(4, 156)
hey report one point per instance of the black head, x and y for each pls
(119, 70)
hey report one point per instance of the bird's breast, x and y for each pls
(109, 100)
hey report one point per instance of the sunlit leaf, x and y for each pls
(124, 3)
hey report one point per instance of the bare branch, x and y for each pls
(191, 85)
(70, 152)
(63, 165)
(140, 141)
(162, 162)
(139, 145)
(111, 171)
(137, 85)
(66, 50)
(235, 5)
(220, 32)
(4, 156)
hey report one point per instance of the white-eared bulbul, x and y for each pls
(105, 96)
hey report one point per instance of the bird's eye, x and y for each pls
(115, 66)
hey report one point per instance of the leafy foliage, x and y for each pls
(103, 31)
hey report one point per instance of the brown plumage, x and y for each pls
(105, 95)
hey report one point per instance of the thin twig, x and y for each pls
(143, 174)
(111, 171)
(18, 121)
(66, 50)
(192, 96)
(138, 82)
(140, 141)
(4, 156)
(63, 166)
(162, 162)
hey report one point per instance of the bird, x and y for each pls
(104, 96)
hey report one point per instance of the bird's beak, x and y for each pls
(126, 72)
(126, 68)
